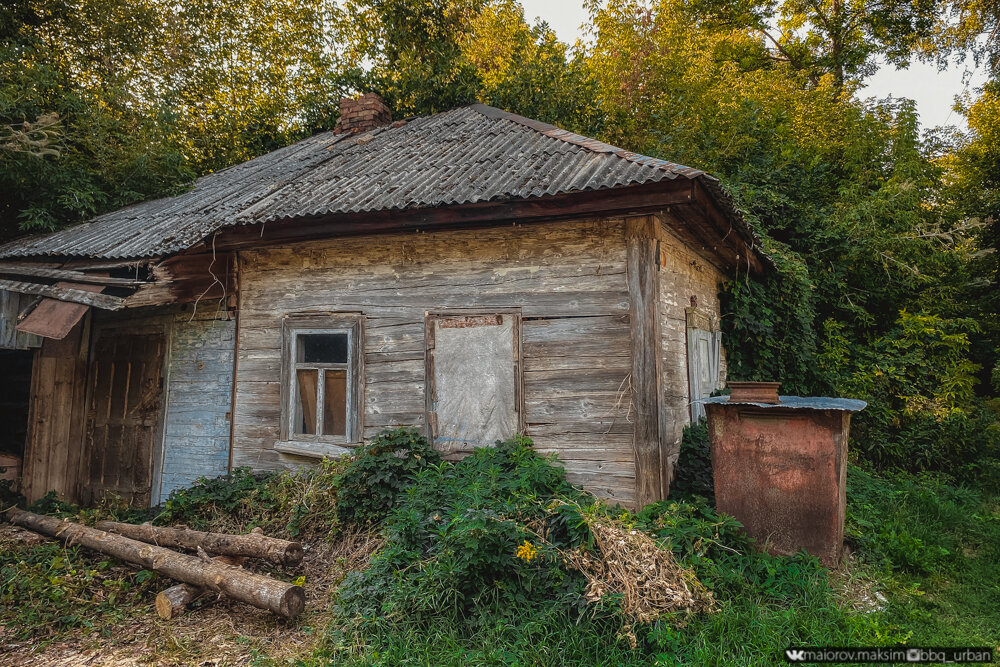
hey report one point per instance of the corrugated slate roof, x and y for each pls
(470, 154)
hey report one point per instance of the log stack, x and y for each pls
(200, 574)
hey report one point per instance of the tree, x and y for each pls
(72, 143)
(842, 38)
(148, 94)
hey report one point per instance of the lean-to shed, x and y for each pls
(472, 273)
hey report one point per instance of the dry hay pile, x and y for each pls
(630, 564)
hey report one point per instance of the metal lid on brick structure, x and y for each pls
(798, 403)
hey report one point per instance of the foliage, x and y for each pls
(106, 102)
(471, 572)
(379, 471)
(455, 535)
(918, 380)
(47, 589)
(302, 503)
(931, 543)
(769, 327)
(842, 39)
(424, 57)
(693, 470)
(449, 589)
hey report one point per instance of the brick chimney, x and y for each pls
(362, 114)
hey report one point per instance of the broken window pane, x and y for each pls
(335, 403)
(322, 348)
(305, 408)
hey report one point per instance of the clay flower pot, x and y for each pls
(754, 392)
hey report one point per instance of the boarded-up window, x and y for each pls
(704, 348)
(473, 368)
(322, 379)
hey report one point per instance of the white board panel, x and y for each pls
(474, 378)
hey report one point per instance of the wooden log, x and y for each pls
(173, 601)
(254, 545)
(278, 597)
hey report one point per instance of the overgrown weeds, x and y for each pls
(497, 559)
(300, 504)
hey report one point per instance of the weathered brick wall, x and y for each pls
(362, 114)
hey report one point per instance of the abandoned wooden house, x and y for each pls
(473, 273)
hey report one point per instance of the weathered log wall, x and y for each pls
(568, 279)
(683, 274)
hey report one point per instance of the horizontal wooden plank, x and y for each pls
(104, 301)
(576, 382)
(315, 450)
(571, 453)
(50, 271)
(577, 362)
(570, 427)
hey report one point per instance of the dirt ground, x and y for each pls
(217, 632)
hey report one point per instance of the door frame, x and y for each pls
(430, 316)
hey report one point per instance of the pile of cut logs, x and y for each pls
(215, 568)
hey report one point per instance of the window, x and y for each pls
(321, 384)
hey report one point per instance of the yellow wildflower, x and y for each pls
(526, 552)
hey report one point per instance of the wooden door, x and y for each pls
(123, 415)
(474, 397)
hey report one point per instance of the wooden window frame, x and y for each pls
(319, 445)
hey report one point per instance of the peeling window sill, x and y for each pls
(315, 450)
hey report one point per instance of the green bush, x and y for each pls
(454, 538)
(379, 471)
(299, 503)
(693, 471)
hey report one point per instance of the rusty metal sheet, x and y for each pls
(52, 318)
(470, 154)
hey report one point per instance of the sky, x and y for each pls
(933, 91)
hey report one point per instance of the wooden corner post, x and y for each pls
(642, 261)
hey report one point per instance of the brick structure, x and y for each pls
(781, 470)
(362, 113)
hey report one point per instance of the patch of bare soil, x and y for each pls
(216, 632)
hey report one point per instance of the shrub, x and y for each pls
(295, 503)
(379, 471)
(693, 471)
(459, 538)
